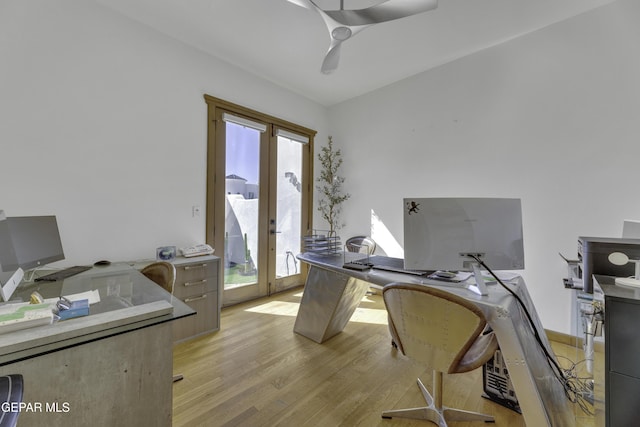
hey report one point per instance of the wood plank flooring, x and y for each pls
(257, 372)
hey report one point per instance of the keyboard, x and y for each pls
(24, 317)
(394, 264)
(63, 274)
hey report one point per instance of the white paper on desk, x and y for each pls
(93, 296)
(462, 276)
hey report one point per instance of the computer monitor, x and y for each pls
(8, 260)
(36, 240)
(442, 233)
(631, 229)
(10, 273)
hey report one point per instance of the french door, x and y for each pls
(258, 199)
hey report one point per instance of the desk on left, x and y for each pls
(112, 367)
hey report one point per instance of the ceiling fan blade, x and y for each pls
(332, 58)
(386, 11)
(344, 24)
(302, 3)
(338, 33)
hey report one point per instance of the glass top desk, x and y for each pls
(332, 293)
(121, 353)
(128, 300)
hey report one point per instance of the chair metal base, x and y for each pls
(436, 415)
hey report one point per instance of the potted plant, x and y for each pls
(330, 188)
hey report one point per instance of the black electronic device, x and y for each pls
(63, 274)
(593, 258)
(357, 265)
(395, 265)
(497, 384)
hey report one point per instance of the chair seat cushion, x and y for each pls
(482, 349)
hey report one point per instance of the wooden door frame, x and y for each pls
(215, 198)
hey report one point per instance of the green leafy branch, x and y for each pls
(330, 186)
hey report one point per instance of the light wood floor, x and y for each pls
(257, 372)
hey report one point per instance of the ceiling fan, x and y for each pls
(344, 24)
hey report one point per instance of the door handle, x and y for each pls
(273, 230)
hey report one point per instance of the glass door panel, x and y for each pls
(242, 190)
(288, 210)
(257, 205)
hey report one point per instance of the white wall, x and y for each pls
(103, 123)
(551, 118)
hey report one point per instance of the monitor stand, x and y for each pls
(7, 288)
(480, 287)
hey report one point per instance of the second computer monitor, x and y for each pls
(8, 260)
(36, 240)
(441, 233)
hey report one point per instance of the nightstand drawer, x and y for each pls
(198, 285)
(195, 271)
(205, 321)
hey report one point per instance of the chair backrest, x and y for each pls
(362, 244)
(161, 272)
(437, 328)
(11, 392)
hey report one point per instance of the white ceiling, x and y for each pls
(286, 44)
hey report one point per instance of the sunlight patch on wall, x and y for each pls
(383, 237)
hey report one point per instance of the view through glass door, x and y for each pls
(242, 228)
(261, 204)
(287, 224)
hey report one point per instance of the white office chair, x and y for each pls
(361, 244)
(443, 331)
(162, 273)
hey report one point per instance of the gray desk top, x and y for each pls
(128, 301)
(528, 364)
(383, 277)
(610, 289)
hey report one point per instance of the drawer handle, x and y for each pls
(195, 299)
(201, 282)
(192, 267)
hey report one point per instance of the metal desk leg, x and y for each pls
(328, 302)
(540, 395)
